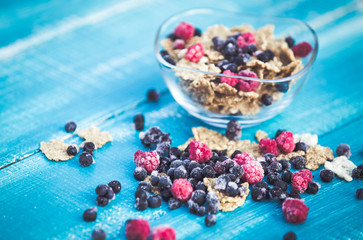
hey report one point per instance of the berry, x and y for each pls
(164, 183)
(85, 159)
(199, 152)
(166, 194)
(228, 163)
(261, 184)
(192, 206)
(200, 211)
(357, 173)
(172, 37)
(290, 236)
(110, 194)
(174, 203)
(184, 30)
(153, 95)
(169, 59)
(145, 186)
(286, 176)
(237, 171)
(326, 175)
(70, 126)
(282, 86)
(153, 136)
(210, 220)
(285, 142)
(163, 233)
(180, 172)
(115, 185)
(290, 41)
(148, 160)
(137, 229)
(275, 167)
(229, 80)
(269, 146)
(140, 173)
(218, 43)
(163, 53)
(232, 189)
(248, 85)
(266, 56)
(264, 166)
(72, 150)
(175, 152)
(201, 186)
(295, 210)
(198, 196)
(142, 194)
(98, 234)
(243, 158)
(277, 193)
(299, 183)
(212, 209)
(163, 148)
(235, 153)
(266, 99)
(253, 172)
(285, 164)
(313, 188)
(102, 201)
(229, 50)
(258, 194)
(359, 193)
(154, 201)
(221, 182)
(192, 182)
(234, 130)
(226, 65)
(195, 52)
(295, 194)
(196, 173)
(101, 190)
(298, 162)
(179, 44)
(343, 150)
(141, 204)
(302, 49)
(306, 174)
(246, 39)
(208, 172)
(182, 189)
(176, 163)
(197, 32)
(90, 214)
(269, 158)
(212, 198)
(89, 147)
(242, 58)
(192, 165)
(272, 177)
(300, 146)
(281, 184)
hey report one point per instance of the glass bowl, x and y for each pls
(195, 98)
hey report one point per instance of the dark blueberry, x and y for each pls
(198, 196)
(200, 186)
(218, 43)
(222, 182)
(275, 167)
(326, 175)
(285, 164)
(286, 176)
(223, 158)
(196, 173)
(153, 136)
(360, 166)
(282, 86)
(258, 194)
(214, 157)
(234, 130)
(140, 173)
(85, 159)
(164, 164)
(290, 41)
(193, 182)
(174, 203)
(231, 39)
(250, 49)
(144, 185)
(115, 185)
(98, 234)
(72, 150)
(276, 193)
(163, 148)
(208, 172)
(166, 194)
(175, 151)
(232, 189)
(101, 201)
(222, 63)
(192, 165)
(90, 214)
(233, 177)
(222, 152)
(290, 236)
(264, 166)
(169, 59)
(141, 193)
(266, 99)
(153, 95)
(176, 163)
(298, 162)
(229, 50)
(192, 206)
(343, 150)
(300, 146)
(295, 194)
(185, 155)
(212, 209)
(212, 198)
(141, 204)
(70, 126)
(210, 220)
(172, 37)
(242, 58)
(235, 153)
(164, 183)
(219, 168)
(281, 184)
(237, 171)
(230, 66)
(163, 53)
(170, 173)
(313, 188)
(359, 193)
(200, 211)
(186, 163)
(228, 163)
(180, 172)
(269, 158)
(154, 180)
(264, 57)
(101, 189)
(197, 32)
(278, 132)
(110, 194)
(272, 177)
(88, 147)
(154, 201)
(261, 184)
(357, 173)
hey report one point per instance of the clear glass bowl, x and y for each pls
(202, 19)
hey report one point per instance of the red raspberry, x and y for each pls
(163, 233)
(246, 39)
(295, 210)
(184, 30)
(179, 44)
(243, 158)
(148, 160)
(269, 146)
(229, 80)
(301, 179)
(304, 173)
(248, 85)
(285, 142)
(137, 229)
(199, 152)
(195, 52)
(302, 49)
(182, 189)
(253, 172)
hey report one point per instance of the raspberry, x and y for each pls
(243, 158)
(301, 179)
(246, 39)
(137, 229)
(253, 172)
(248, 85)
(295, 210)
(305, 173)
(269, 146)
(302, 49)
(179, 44)
(199, 152)
(163, 233)
(285, 142)
(229, 80)
(234, 130)
(184, 30)
(148, 160)
(182, 189)
(195, 52)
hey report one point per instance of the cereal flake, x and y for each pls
(56, 150)
(342, 167)
(317, 155)
(94, 135)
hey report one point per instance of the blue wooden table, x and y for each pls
(92, 62)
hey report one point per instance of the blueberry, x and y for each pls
(269, 158)
(196, 173)
(359, 193)
(98, 234)
(144, 185)
(214, 157)
(219, 168)
(282, 86)
(169, 59)
(163, 53)
(313, 188)
(357, 173)
(212, 209)
(70, 126)
(153, 95)
(140, 173)
(174, 203)
(326, 175)
(222, 64)
(242, 58)
(300, 146)
(185, 155)
(192, 165)
(176, 163)
(230, 66)
(250, 49)
(290, 41)
(222, 182)
(266, 99)
(210, 220)
(232, 189)
(72, 150)
(141, 193)
(264, 166)
(170, 172)
(298, 162)
(172, 36)
(290, 236)
(208, 172)
(101, 201)
(115, 185)
(180, 172)
(229, 50)
(166, 194)
(164, 183)
(101, 189)
(212, 198)
(218, 43)
(228, 163)
(193, 182)
(154, 201)
(263, 57)
(200, 211)
(110, 194)
(154, 180)
(343, 150)
(176, 152)
(200, 186)
(237, 171)
(235, 153)
(85, 159)
(192, 206)
(261, 184)
(278, 132)
(286, 176)
(272, 177)
(281, 184)
(89, 147)
(198, 196)
(295, 194)
(275, 167)
(277, 193)
(230, 39)
(234, 130)
(258, 194)
(90, 214)
(141, 204)
(285, 164)
(197, 32)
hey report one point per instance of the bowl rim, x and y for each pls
(194, 11)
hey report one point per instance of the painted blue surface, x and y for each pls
(100, 68)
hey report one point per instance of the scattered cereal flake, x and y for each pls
(264, 35)
(342, 167)
(214, 140)
(317, 155)
(94, 135)
(227, 203)
(290, 155)
(260, 135)
(224, 88)
(56, 150)
(213, 55)
(307, 138)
